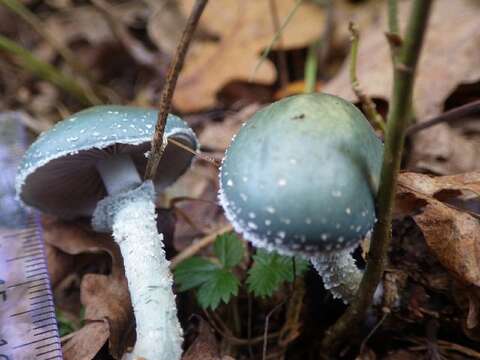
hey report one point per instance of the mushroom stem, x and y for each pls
(118, 173)
(340, 274)
(131, 215)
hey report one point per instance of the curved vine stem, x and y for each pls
(404, 75)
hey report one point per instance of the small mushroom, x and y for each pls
(300, 178)
(91, 164)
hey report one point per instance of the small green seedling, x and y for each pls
(215, 279)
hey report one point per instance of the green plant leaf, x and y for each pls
(220, 287)
(270, 270)
(214, 283)
(228, 248)
(193, 272)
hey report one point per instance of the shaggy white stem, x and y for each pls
(132, 216)
(340, 274)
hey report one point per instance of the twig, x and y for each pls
(166, 98)
(198, 245)
(69, 57)
(367, 104)
(265, 332)
(281, 56)
(448, 116)
(197, 153)
(404, 76)
(135, 48)
(275, 39)
(45, 71)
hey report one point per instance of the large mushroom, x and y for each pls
(300, 178)
(91, 164)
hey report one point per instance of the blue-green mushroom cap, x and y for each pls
(58, 173)
(301, 176)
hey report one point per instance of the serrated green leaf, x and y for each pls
(228, 248)
(194, 272)
(270, 270)
(220, 287)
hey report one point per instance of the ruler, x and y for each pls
(28, 325)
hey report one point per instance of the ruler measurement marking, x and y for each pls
(36, 341)
(44, 332)
(32, 246)
(48, 352)
(40, 302)
(36, 264)
(32, 240)
(31, 310)
(24, 283)
(43, 267)
(42, 326)
(40, 290)
(15, 234)
(42, 284)
(45, 313)
(40, 273)
(46, 345)
(24, 257)
(35, 257)
(40, 296)
(47, 318)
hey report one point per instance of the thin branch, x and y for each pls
(198, 245)
(135, 48)
(281, 55)
(275, 39)
(446, 117)
(158, 145)
(367, 104)
(197, 153)
(404, 76)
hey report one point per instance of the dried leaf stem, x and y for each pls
(404, 75)
(166, 98)
(367, 104)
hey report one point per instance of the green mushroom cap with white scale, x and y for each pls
(92, 164)
(301, 176)
(71, 159)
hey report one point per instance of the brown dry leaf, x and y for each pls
(449, 58)
(451, 234)
(106, 297)
(244, 29)
(87, 23)
(86, 342)
(205, 345)
(217, 136)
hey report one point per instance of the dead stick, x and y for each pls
(448, 116)
(167, 93)
(399, 111)
(199, 245)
